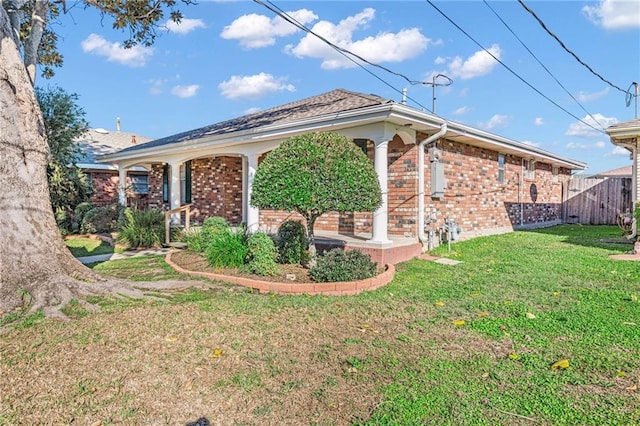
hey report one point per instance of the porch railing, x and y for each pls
(167, 220)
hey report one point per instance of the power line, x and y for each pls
(344, 52)
(541, 64)
(569, 51)
(510, 70)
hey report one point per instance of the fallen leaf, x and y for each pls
(458, 322)
(620, 374)
(485, 375)
(634, 298)
(530, 315)
(632, 388)
(170, 339)
(556, 293)
(439, 303)
(513, 356)
(482, 314)
(217, 353)
(629, 323)
(562, 364)
(96, 423)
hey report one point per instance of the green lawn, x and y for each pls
(83, 246)
(469, 344)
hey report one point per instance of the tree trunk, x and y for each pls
(311, 221)
(35, 266)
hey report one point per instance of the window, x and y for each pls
(185, 183)
(165, 183)
(529, 169)
(140, 184)
(554, 172)
(501, 168)
(362, 144)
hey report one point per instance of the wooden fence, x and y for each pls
(596, 201)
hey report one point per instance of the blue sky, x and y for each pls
(229, 58)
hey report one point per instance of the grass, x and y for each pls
(399, 355)
(83, 246)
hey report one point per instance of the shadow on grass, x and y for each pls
(599, 236)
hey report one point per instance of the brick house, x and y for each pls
(104, 177)
(432, 171)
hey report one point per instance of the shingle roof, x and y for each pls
(625, 171)
(626, 124)
(335, 101)
(97, 142)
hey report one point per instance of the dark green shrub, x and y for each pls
(227, 249)
(80, 210)
(99, 220)
(338, 265)
(292, 242)
(64, 221)
(261, 255)
(142, 228)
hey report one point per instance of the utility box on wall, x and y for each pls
(438, 182)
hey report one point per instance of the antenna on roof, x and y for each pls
(404, 96)
(117, 124)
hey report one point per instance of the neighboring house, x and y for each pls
(627, 135)
(104, 176)
(620, 172)
(485, 183)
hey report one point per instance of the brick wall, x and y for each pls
(216, 188)
(473, 196)
(104, 186)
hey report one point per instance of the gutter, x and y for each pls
(421, 236)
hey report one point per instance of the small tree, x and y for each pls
(316, 173)
(64, 123)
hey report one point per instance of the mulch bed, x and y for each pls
(195, 262)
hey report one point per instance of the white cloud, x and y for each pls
(254, 31)
(497, 120)
(539, 121)
(157, 85)
(253, 86)
(461, 111)
(383, 47)
(584, 130)
(440, 60)
(136, 56)
(614, 14)
(252, 110)
(618, 151)
(588, 97)
(185, 91)
(478, 64)
(586, 146)
(185, 26)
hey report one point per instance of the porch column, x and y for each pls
(381, 216)
(252, 213)
(174, 191)
(122, 185)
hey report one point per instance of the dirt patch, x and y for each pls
(286, 273)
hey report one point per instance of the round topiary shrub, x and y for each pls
(339, 265)
(261, 255)
(100, 220)
(292, 242)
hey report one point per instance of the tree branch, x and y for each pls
(38, 22)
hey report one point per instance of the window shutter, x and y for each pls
(187, 182)
(165, 183)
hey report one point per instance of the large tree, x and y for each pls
(35, 266)
(316, 173)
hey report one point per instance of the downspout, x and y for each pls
(443, 129)
(520, 192)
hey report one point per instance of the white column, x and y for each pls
(174, 191)
(252, 213)
(380, 216)
(122, 185)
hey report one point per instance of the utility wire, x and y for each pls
(510, 70)
(344, 52)
(569, 51)
(541, 64)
